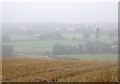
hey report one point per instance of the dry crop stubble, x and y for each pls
(37, 70)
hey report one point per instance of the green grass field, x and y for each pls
(44, 44)
(26, 38)
(87, 57)
(104, 38)
(71, 35)
(50, 43)
(83, 57)
(33, 43)
(25, 52)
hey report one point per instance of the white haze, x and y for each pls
(55, 12)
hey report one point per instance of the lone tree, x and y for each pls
(5, 38)
(7, 51)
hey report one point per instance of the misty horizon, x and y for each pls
(69, 41)
(73, 13)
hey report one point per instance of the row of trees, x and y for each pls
(88, 48)
(58, 49)
(57, 36)
(51, 36)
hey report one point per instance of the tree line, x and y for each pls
(88, 48)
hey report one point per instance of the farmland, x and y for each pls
(43, 44)
(32, 47)
(33, 61)
(59, 42)
(37, 70)
(88, 57)
(32, 41)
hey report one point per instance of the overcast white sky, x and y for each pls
(59, 0)
(82, 11)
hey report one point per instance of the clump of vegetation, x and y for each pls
(88, 48)
(51, 36)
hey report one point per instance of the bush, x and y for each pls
(7, 51)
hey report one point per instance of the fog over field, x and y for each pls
(66, 41)
(54, 30)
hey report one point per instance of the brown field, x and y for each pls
(37, 70)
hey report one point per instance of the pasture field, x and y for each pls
(30, 47)
(104, 38)
(38, 70)
(44, 44)
(33, 42)
(88, 57)
(71, 35)
(38, 52)
(25, 38)
(41, 52)
(67, 36)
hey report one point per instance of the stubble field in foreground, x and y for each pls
(37, 70)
